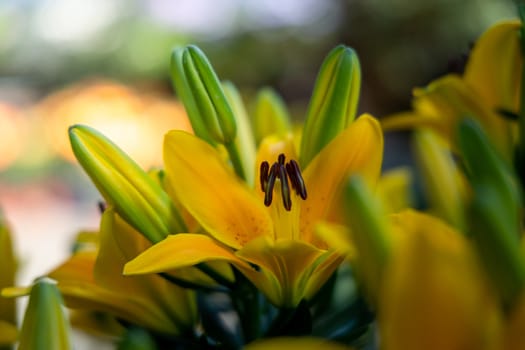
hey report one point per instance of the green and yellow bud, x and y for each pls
(210, 100)
(495, 212)
(244, 140)
(369, 229)
(45, 323)
(270, 116)
(123, 184)
(442, 180)
(184, 93)
(334, 100)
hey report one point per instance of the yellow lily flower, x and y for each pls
(291, 264)
(488, 91)
(92, 280)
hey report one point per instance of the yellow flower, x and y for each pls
(92, 280)
(488, 91)
(274, 246)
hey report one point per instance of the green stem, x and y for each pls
(245, 299)
(235, 159)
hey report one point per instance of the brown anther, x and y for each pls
(270, 183)
(296, 178)
(265, 167)
(282, 171)
(285, 189)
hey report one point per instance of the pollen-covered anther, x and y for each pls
(282, 171)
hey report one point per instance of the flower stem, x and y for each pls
(235, 159)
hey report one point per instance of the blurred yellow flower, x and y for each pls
(92, 280)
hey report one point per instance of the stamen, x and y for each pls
(296, 178)
(268, 195)
(280, 159)
(282, 171)
(285, 189)
(265, 167)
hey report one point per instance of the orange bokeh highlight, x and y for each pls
(133, 120)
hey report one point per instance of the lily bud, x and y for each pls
(124, 185)
(495, 212)
(244, 140)
(333, 104)
(369, 232)
(45, 323)
(210, 100)
(184, 93)
(271, 115)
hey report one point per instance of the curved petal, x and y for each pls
(76, 283)
(180, 250)
(290, 261)
(356, 150)
(211, 192)
(119, 242)
(494, 67)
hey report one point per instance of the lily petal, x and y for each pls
(119, 242)
(178, 251)
(80, 291)
(290, 261)
(211, 192)
(356, 150)
(494, 67)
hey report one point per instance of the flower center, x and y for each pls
(282, 171)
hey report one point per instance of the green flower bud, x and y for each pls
(184, 92)
(333, 104)
(369, 232)
(214, 110)
(45, 323)
(123, 184)
(494, 211)
(244, 140)
(271, 115)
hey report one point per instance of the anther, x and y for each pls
(285, 189)
(282, 171)
(268, 195)
(296, 178)
(265, 167)
(280, 159)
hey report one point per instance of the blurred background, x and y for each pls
(106, 63)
